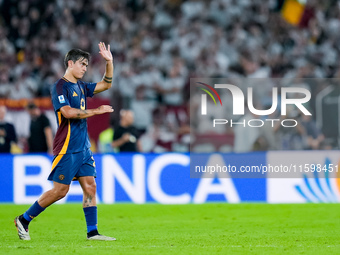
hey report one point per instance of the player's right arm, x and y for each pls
(106, 82)
(73, 113)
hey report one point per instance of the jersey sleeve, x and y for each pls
(59, 96)
(89, 88)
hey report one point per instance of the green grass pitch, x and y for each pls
(179, 229)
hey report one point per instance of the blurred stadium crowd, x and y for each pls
(159, 45)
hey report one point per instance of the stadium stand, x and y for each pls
(159, 45)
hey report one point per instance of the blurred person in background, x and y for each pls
(142, 109)
(314, 136)
(159, 136)
(105, 139)
(171, 89)
(41, 136)
(5, 85)
(7, 132)
(246, 136)
(125, 138)
(291, 138)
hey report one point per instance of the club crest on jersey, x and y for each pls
(61, 99)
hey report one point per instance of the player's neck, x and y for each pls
(70, 77)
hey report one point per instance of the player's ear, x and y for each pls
(70, 63)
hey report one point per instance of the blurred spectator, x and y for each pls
(159, 136)
(7, 132)
(178, 119)
(291, 138)
(245, 136)
(313, 134)
(5, 86)
(24, 87)
(126, 86)
(142, 109)
(171, 88)
(126, 137)
(41, 137)
(105, 140)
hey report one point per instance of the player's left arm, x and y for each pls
(106, 82)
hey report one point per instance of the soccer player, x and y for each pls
(71, 146)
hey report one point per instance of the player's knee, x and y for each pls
(91, 188)
(61, 193)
